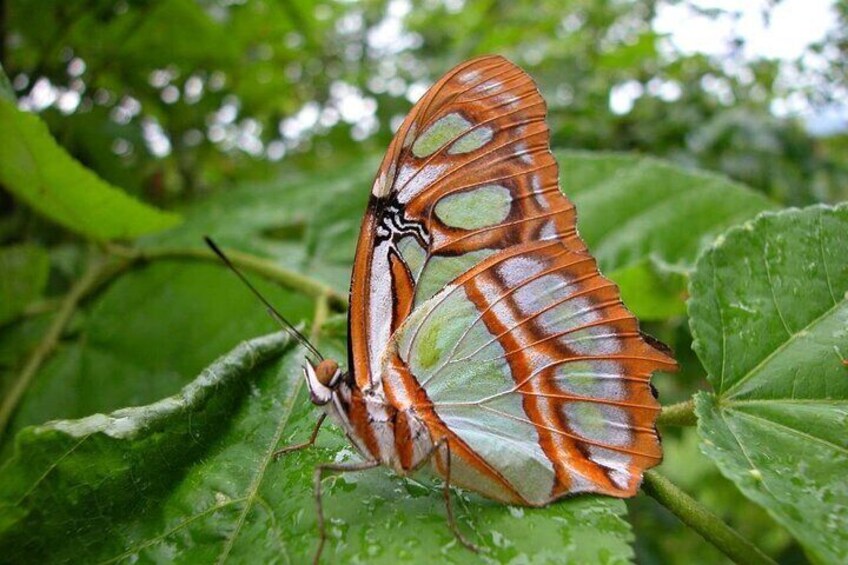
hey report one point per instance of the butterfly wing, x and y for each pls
(469, 172)
(475, 303)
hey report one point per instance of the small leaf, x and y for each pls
(25, 269)
(191, 479)
(769, 314)
(38, 171)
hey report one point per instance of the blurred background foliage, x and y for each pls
(177, 100)
(171, 99)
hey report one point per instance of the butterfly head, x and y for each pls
(322, 380)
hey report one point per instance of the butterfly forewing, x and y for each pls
(475, 303)
(468, 173)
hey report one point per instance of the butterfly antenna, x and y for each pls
(285, 324)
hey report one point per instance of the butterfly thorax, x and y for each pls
(397, 438)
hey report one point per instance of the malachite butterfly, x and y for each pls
(483, 341)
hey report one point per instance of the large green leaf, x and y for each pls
(25, 269)
(38, 171)
(190, 478)
(769, 313)
(632, 208)
(645, 221)
(155, 327)
(81, 477)
(161, 323)
(294, 220)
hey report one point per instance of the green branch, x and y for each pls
(101, 272)
(680, 414)
(97, 273)
(263, 267)
(708, 525)
(322, 312)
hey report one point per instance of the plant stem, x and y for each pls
(680, 414)
(97, 272)
(708, 525)
(322, 312)
(101, 272)
(264, 267)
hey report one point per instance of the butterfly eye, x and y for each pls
(326, 372)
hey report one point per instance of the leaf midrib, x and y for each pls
(779, 349)
(789, 429)
(253, 490)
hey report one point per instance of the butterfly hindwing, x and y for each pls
(531, 361)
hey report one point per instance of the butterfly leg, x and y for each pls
(320, 470)
(443, 444)
(311, 441)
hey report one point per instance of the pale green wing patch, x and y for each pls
(428, 337)
(443, 131)
(439, 271)
(486, 206)
(472, 141)
(510, 445)
(412, 254)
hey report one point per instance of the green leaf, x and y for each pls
(38, 171)
(646, 220)
(294, 220)
(190, 478)
(632, 208)
(6, 91)
(25, 269)
(769, 314)
(651, 293)
(86, 476)
(157, 327)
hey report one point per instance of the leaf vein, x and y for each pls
(803, 331)
(792, 430)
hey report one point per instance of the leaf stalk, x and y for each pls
(246, 261)
(708, 525)
(680, 414)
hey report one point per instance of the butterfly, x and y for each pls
(483, 341)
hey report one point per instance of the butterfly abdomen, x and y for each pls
(397, 438)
